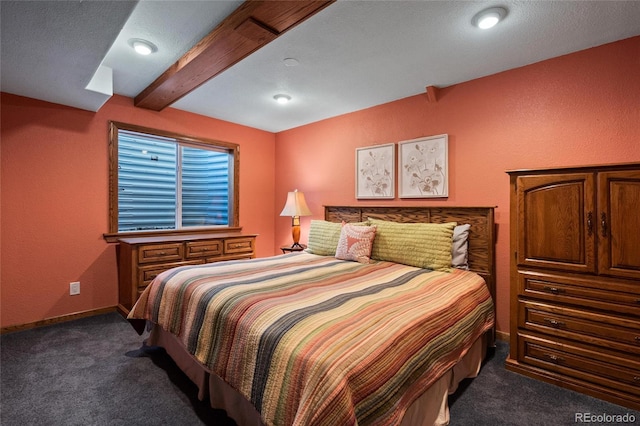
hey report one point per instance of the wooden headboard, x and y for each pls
(481, 234)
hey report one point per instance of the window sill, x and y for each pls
(115, 236)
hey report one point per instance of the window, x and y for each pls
(162, 182)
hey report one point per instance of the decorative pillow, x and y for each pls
(425, 245)
(460, 247)
(323, 237)
(355, 242)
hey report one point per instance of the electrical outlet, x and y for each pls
(74, 288)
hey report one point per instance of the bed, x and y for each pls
(315, 338)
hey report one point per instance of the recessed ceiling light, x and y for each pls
(488, 18)
(290, 62)
(282, 99)
(142, 47)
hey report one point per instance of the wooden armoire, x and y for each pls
(575, 279)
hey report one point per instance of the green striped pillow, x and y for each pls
(323, 237)
(425, 245)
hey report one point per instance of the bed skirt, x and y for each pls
(430, 409)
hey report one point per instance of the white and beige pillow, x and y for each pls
(355, 242)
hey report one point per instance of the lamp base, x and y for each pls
(297, 245)
(295, 231)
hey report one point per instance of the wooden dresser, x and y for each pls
(140, 259)
(575, 279)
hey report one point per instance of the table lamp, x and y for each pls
(295, 207)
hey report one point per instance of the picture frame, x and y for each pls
(375, 172)
(423, 167)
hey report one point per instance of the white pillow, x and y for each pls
(460, 247)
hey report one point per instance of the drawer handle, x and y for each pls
(234, 246)
(554, 323)
(636, 378)
(163, 253)
(637, 339)
(555, 358)
(554, 290)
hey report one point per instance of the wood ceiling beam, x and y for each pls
(251, 26)
(432, 94)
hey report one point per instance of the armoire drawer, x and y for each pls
(606, 330)
(608, 295)
(604, 368)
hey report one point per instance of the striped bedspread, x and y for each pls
(312, 340)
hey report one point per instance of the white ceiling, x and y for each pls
(352, 55)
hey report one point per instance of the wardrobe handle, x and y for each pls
(603, 224)
(590, 223)
(554, 290)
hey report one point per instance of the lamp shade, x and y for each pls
(296, 205)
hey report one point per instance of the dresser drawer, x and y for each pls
(604, 368)
(160, 252)
(240, 256)
(597, 293)
(239, 245)
(146, 274)
(204, 248)
(609, 331)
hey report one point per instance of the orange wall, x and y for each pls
(578, 109)
(55, 170)
(582, 108)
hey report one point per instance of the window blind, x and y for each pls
(205, 187)
(163, 184)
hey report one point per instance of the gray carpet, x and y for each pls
(93, 371)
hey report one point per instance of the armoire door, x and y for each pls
(557, 221)
(619, 223)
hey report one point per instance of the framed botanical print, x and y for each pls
(375, 171)
(423, 167)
